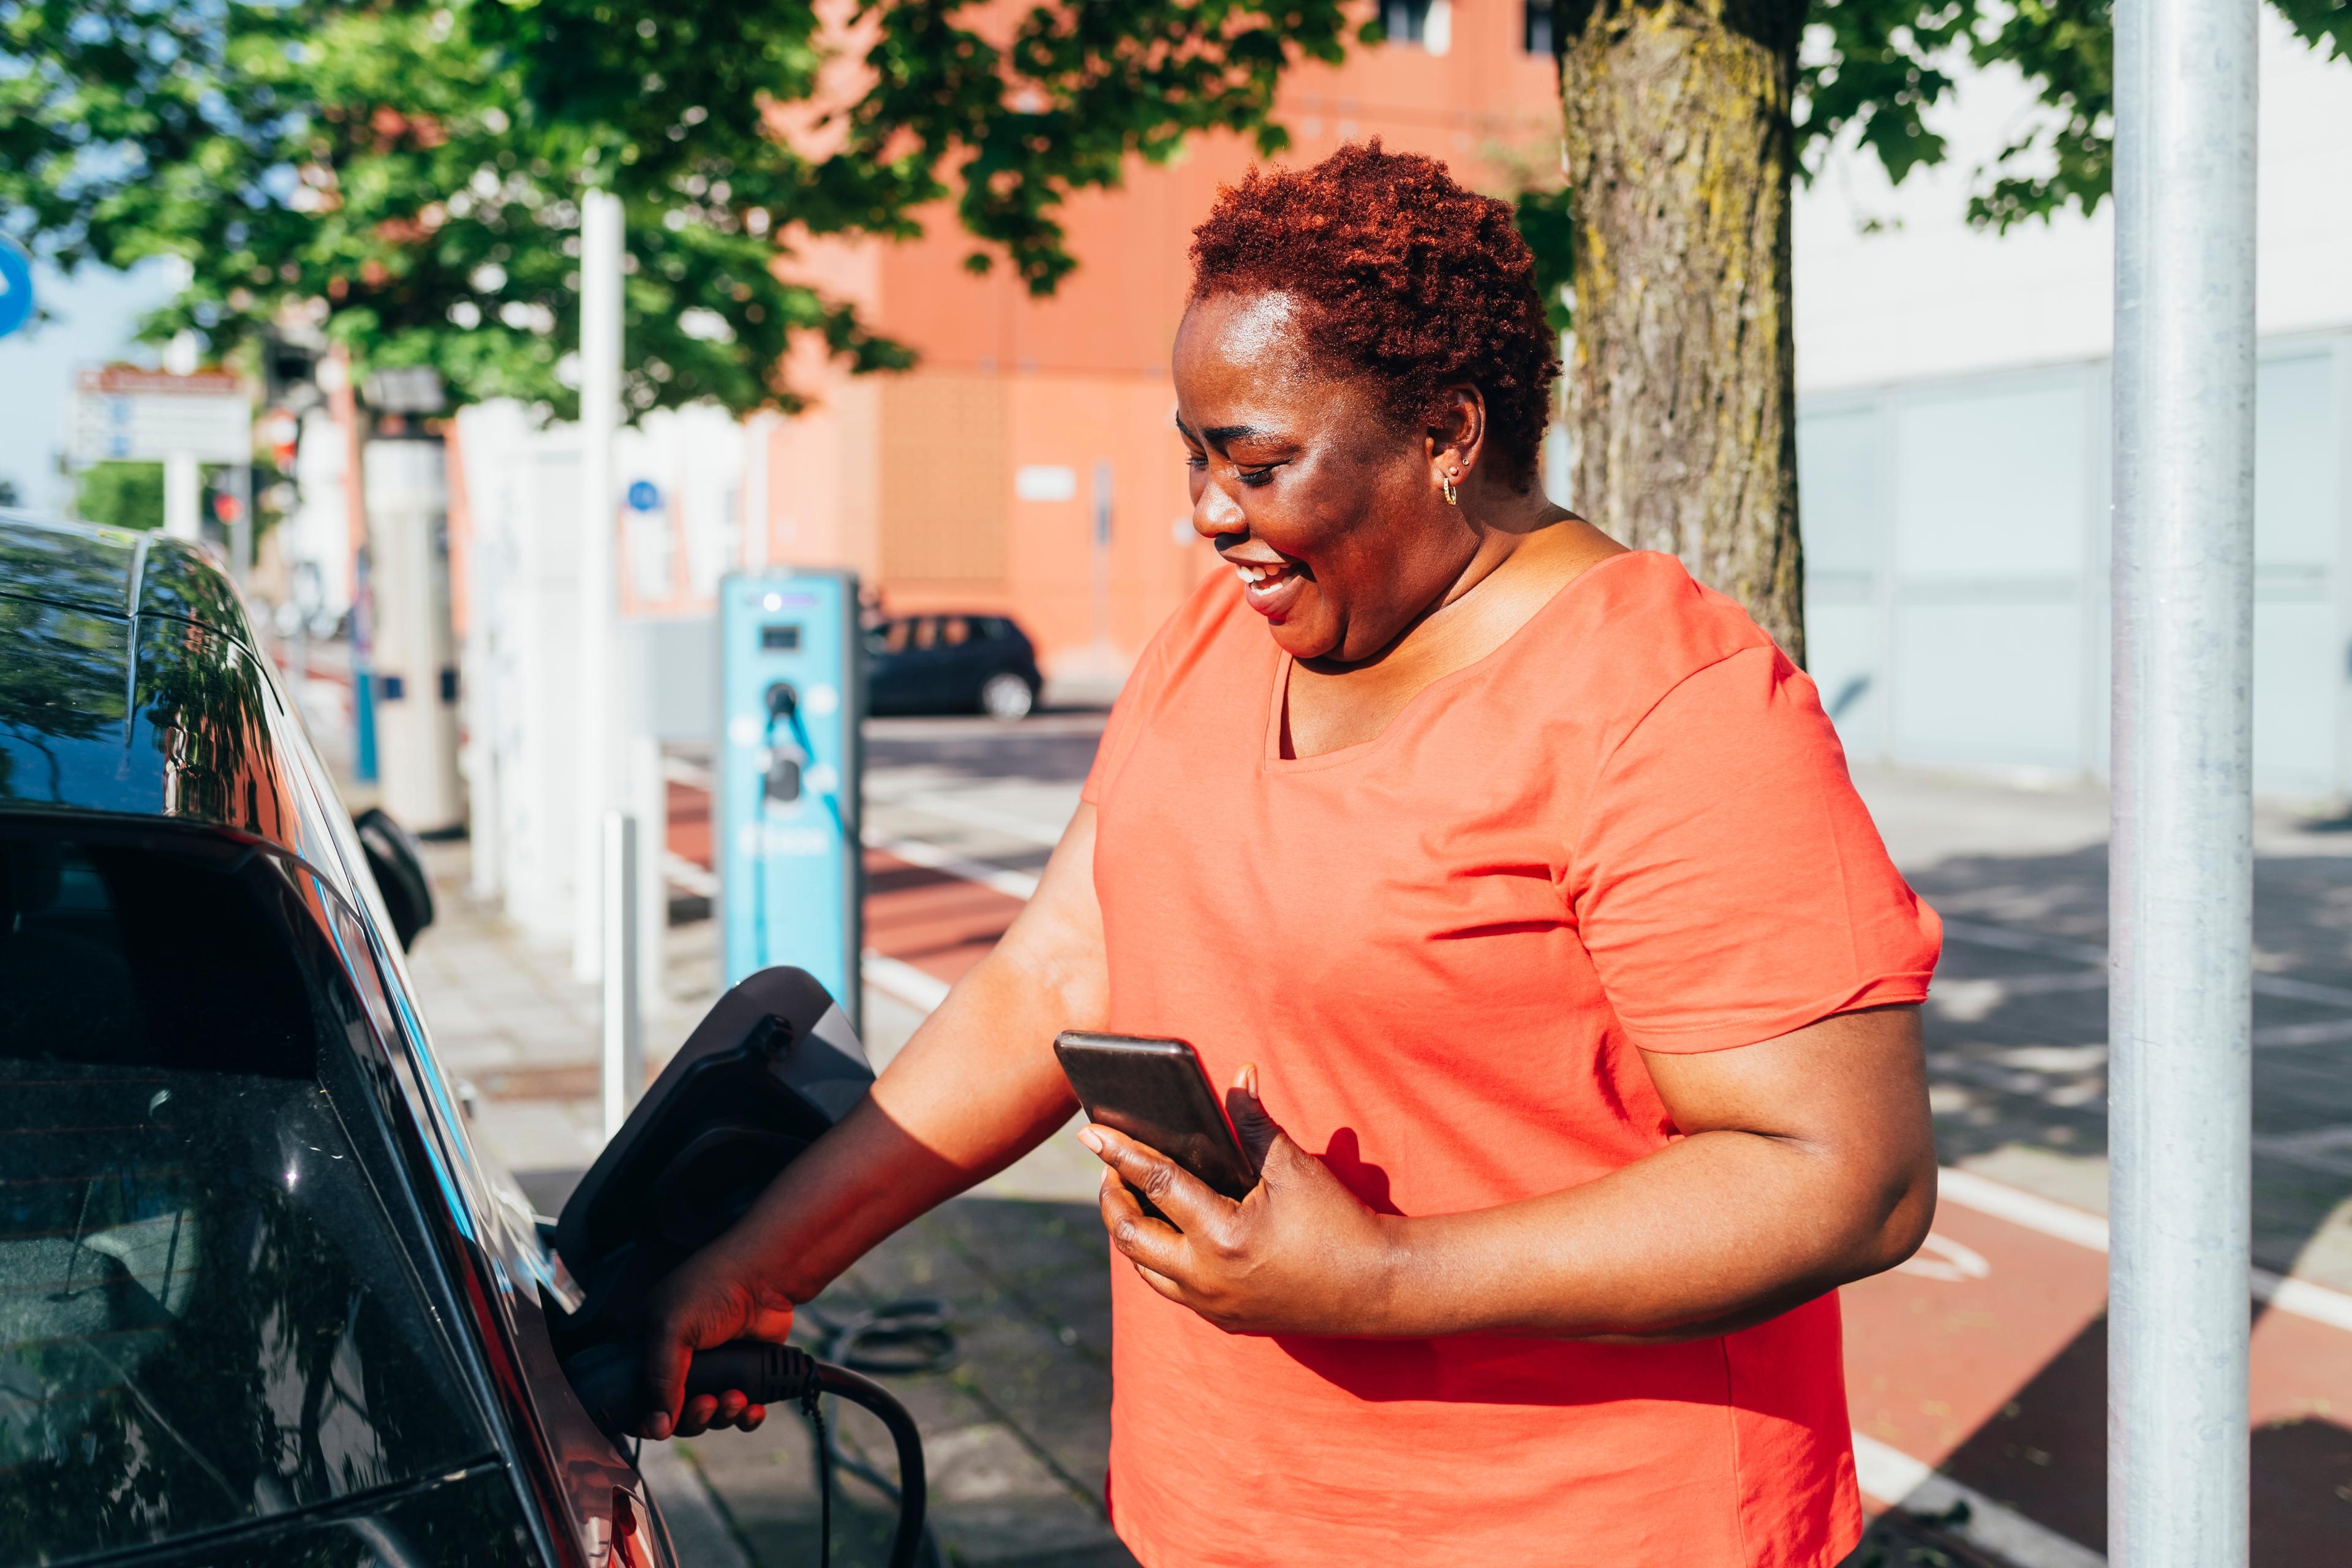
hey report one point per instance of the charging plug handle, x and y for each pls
(607, 1379)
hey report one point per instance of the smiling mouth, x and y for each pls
(1264, 577)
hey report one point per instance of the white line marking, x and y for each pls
(896, 978)
(2067, 1223)
(695, 880)
(2018, 1206)
(1894, 1477)
(682, 771)
(2304, 1033)
(2304, 1300)
(1010, 824)
(932, 858)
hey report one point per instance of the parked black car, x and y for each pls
(951, 664)
(261, 1301)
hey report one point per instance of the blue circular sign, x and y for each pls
(644, 496)
(15, 286)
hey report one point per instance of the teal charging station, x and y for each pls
(791, 764)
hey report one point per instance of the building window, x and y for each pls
(1405, 21)
(1535, 26)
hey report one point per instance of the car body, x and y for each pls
(950, 662)
(261, 1297)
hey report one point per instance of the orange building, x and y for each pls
(1027, 465)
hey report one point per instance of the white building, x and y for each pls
(1953, 451)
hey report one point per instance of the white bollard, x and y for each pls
(624, 1024)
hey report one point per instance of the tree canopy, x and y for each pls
(407, 176)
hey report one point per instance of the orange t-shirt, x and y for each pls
(1630, 826)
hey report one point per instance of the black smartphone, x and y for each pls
(1156, 1092)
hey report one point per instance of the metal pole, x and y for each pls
(2181, 903)
(625, 1024)
(601, 246)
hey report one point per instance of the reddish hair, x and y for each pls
(1414, 283)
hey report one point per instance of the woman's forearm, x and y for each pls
(975, 1088)
(1811, 1162)
(1710, 1234)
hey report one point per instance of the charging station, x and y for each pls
(791, 767)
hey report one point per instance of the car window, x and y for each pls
(954, 630)
(206, 1315)
(927, 632)
(891, 636)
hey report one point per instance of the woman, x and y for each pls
(1516, 884)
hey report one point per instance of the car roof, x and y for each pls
(131, 685)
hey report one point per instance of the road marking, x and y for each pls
(1010, 824)
(2325, 1034)
(1941, 1258)
(1019, 885)
(1894, 1477)
(695, 878)
(2067, 1223)
(687, 772)
(898, 979)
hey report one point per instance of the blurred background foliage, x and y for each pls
(407, 178)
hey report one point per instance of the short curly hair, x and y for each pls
(1414, 283)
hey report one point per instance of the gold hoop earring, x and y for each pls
(1452, 496)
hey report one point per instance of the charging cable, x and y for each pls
(788, 770)
(908, 1335)
(606, 1377)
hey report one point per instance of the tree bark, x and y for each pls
(1682, 388)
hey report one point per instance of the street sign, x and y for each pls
(15, 286)
(644, 496)
(124, 414)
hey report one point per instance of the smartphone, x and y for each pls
(1156, 1092)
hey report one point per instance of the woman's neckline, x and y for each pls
(1278, 700)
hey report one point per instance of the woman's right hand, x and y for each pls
(712, 1297)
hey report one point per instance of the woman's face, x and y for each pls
(1304, 482)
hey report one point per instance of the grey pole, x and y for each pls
(2181, 903)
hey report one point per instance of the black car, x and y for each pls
(951, 664)
(261, 1301)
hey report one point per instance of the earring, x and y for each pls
(1452, 496)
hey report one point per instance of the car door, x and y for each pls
(890, 667)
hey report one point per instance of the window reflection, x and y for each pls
(205, 1316)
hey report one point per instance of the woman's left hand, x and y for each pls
(1301, 1255)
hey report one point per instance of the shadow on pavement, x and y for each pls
(2017, 1052)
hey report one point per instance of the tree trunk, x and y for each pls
(1681, 389)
